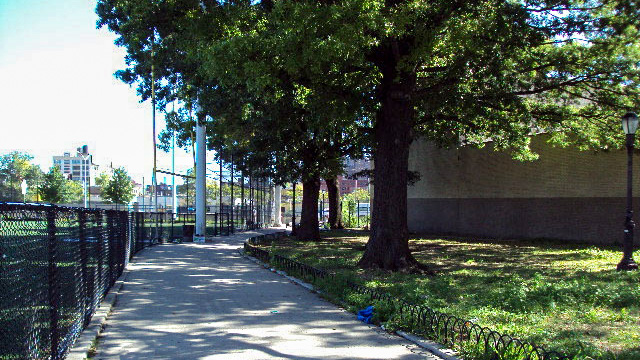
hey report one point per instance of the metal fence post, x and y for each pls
(100, 250)
(53, 284)
(132, 234)
(119, 238)
(124, 240)
(82, 232)
(161, 226)
(172, 234)
(111, 250)
(143, 231)
(137, 231)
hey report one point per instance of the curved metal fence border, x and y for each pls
(446, 329)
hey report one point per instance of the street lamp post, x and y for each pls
(85, 174)
(629, 125)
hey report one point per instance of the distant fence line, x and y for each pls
(58, 263)
(254, 211)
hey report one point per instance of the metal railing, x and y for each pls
(447, 329)
(56, 265)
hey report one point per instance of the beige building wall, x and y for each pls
(565, 194)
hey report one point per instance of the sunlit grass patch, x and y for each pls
(566, 297)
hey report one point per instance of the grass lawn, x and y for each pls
(567, 298)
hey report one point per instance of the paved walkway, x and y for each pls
(205, 301)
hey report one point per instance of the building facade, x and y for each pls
(347, 186)
(353, 166)
(77, 167)
(162, 190)
(349, 182)
(566, 194)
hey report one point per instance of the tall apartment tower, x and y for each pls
(76, 167)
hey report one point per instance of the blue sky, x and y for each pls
(59, 92)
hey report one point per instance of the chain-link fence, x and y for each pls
(56, 265)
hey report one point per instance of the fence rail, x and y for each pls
(447, 329)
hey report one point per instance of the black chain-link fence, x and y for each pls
(56, 265)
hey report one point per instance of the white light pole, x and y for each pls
(85, 167)
(277, 200)
(201, 162)
(174, 196)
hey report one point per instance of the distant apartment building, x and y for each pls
(77, 167)
(350, 183)
(354, 166)
(145, 199)
(347, 186)
(162, 190)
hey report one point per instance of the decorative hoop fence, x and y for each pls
(446, 329)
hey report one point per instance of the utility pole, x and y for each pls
(174, 204)
(276, 204)
(155, 149)
(220, 189)
(201, 162)
(233, 200)
(243, 216)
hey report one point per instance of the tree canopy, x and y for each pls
(14, 168)
(293, 86)
(56, 189)
(119, 188)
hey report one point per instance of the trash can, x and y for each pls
(187, 233)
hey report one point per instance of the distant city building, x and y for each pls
(347, 186)
(77, 167)
(348, 183)
(354, 166)
(137, 189)
(162, 190)
(145, 200)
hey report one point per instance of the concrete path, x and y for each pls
(205, 301)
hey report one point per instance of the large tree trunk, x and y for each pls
(388, 245)
(335, 208)
(308, 229)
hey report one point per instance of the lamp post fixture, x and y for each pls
(86, 162)
(629, 125)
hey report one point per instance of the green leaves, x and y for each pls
(14, 168)
(119, 188)
(53, 186)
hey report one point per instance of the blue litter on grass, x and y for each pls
(366, 314)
